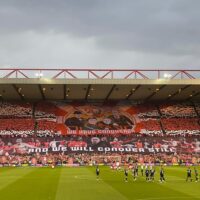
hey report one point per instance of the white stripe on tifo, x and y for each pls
(174, 197)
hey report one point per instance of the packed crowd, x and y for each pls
(177, 110)
(25, 126)
(13, 127)
(49, 119)
(151, 126)
(147, 111)
(46, 128)
(91, 159)
(197, 106)
(181, 126)
(15, 110)
(103, 144)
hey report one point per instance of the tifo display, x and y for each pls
(42, 133)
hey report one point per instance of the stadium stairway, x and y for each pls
(159, 120)
(161, 125)
(159, 112)
(195, 109)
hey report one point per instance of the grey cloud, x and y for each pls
(162, 32)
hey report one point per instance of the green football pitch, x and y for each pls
(81, 184)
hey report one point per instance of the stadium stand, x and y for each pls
(46, 128)
(197, 106)
(28, 131)
(151, 126)
(177, 110)
(16, 127)
(15, 110)
(181, 126)
(141, 119)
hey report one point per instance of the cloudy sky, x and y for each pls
(100, 33)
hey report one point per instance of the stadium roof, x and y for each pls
(102, 84)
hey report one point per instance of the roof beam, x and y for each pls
(178, 92)
(64, 91)
(18, 92)
(1, 98)
(110, 92)
(41, 92)
(132, 91)
(154, 93)
(87, 92)
(194, 95)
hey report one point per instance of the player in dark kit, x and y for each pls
(147, 174)
(189, 174)
(142, 170)
(136, 169)
(134, 172)
(126, 175)
(196, 174)
(162, 175)
(97, 172)
(152, 173)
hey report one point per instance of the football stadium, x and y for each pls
(104, 134)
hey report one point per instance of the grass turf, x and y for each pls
(81, 184)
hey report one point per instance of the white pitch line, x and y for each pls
(163, 198)
(86, 178)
